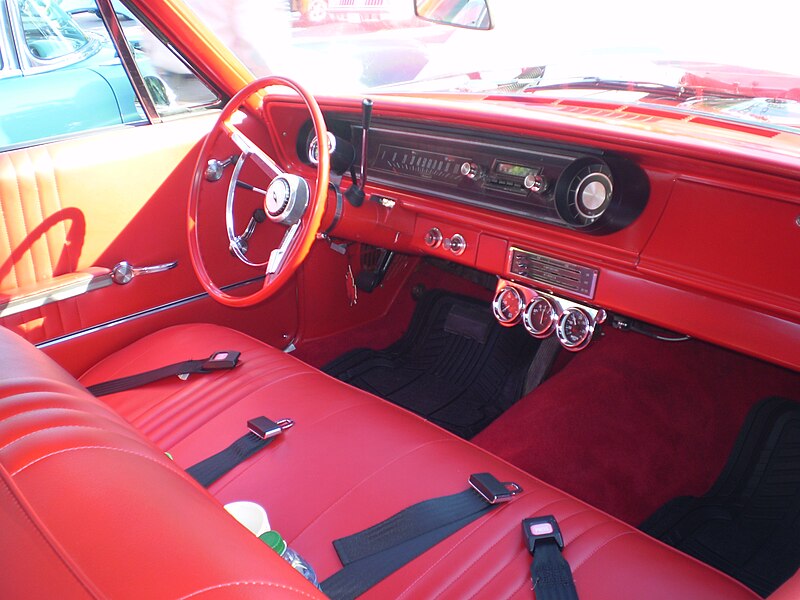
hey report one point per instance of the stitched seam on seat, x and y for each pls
(525, 551)
(72, 567)
(256, 460)
(107, 418)
(14, 441)
(65, 450)
(164, 410)
(525, 582)
(238, 583)
(367, 478)
(472, 563)
(600, 547)
(177, 401)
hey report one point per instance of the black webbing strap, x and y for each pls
(262, 432)
(224, 359)
(550, 572)
(373, 554)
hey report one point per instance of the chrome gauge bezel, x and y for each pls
(313, 148)
(531, 326)
(497, 305)
(586, 333)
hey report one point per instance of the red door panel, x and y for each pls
(108, 197)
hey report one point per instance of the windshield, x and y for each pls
(733, 60)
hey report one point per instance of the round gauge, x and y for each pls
(507, 305)
(313, 148)
(539, 317)
(574, 329)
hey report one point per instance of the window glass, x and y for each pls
(67, 77)
(49, 32)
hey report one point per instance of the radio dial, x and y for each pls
(535, 183)
(470, 170)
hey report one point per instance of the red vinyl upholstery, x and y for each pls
(90, 508)
(352, 460)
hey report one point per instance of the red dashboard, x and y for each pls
(696, 225)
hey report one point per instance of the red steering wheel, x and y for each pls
(287, 202)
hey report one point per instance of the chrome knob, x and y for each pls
(458, 244)
(433, 238)
(215, 167)
(470, 170)
(535, 183)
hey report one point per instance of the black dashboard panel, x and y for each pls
(577, 187)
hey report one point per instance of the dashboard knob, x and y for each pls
(470, 170)
(535, 183)
(458, 244)
(433, 238)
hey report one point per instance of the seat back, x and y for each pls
(89, 508)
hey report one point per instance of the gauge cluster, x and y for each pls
(543, 314)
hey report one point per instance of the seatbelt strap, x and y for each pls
(375, 553)
(262, 432)
(550, 572)
(224, 359)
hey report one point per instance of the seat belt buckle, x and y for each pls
(541, 528)
(491, 489)
(267, 428)
(224, 359)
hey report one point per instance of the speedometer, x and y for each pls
(574, 329)
(507, 305)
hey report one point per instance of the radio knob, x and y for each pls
(470, 170)
(458, 244)
(535, 183)
(433, 238)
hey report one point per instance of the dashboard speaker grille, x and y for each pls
(559, 274)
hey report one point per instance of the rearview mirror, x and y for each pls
(472, 14)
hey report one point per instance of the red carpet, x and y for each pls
(632, 422)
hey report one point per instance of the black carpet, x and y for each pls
(455, 366)
(748, 524)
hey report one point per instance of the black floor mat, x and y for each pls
(455, 366)
(748, 524)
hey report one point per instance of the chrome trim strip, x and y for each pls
(109, 16)
(138, 315)
(60, 288)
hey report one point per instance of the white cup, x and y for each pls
(251, 515)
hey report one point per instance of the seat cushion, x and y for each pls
(352, 460)
(89, 508)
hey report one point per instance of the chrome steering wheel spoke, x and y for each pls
(249, 147)
(277, 255)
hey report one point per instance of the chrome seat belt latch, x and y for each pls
(267, 428)
(491, 489)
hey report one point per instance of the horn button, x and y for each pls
(286, 199)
